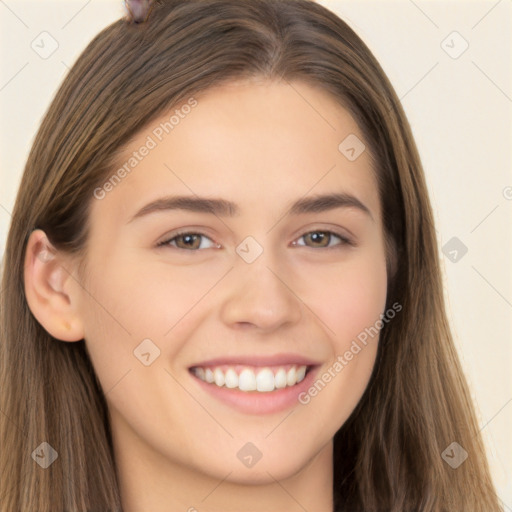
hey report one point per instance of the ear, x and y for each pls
(51, 290)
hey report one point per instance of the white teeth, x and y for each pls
(219, 377)
(247, 380)
(264, 381)
(291, 376)
(280, 378)
(208, 375)
(231, 379)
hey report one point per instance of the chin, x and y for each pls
(278, 466)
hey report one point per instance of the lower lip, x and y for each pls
(255, 402)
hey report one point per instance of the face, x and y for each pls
(249, 295)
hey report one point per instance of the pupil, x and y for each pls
(189, 239)
(317, 236)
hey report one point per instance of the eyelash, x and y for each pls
(344, 240)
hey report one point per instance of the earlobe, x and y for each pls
(49, 289)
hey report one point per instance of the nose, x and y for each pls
(261, 295)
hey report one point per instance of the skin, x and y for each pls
(262, 146)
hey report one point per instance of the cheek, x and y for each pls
(353, 297)
(131, 301)
(362, 299)
(146, 300)
(350, 306)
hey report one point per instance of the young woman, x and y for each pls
(221, 286)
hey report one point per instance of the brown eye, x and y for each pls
(323, 239)
(187, 241)
(314, 239)
(319, 238)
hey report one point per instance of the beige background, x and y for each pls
(460, 111)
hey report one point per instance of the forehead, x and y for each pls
(252, 143)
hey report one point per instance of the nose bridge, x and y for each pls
(259, 293)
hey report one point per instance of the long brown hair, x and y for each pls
(387, 456)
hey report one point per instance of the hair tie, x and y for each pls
(138, 10)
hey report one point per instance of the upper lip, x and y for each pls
(275, 360)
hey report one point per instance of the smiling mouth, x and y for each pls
(262, 379)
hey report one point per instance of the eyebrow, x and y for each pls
(225, 208)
